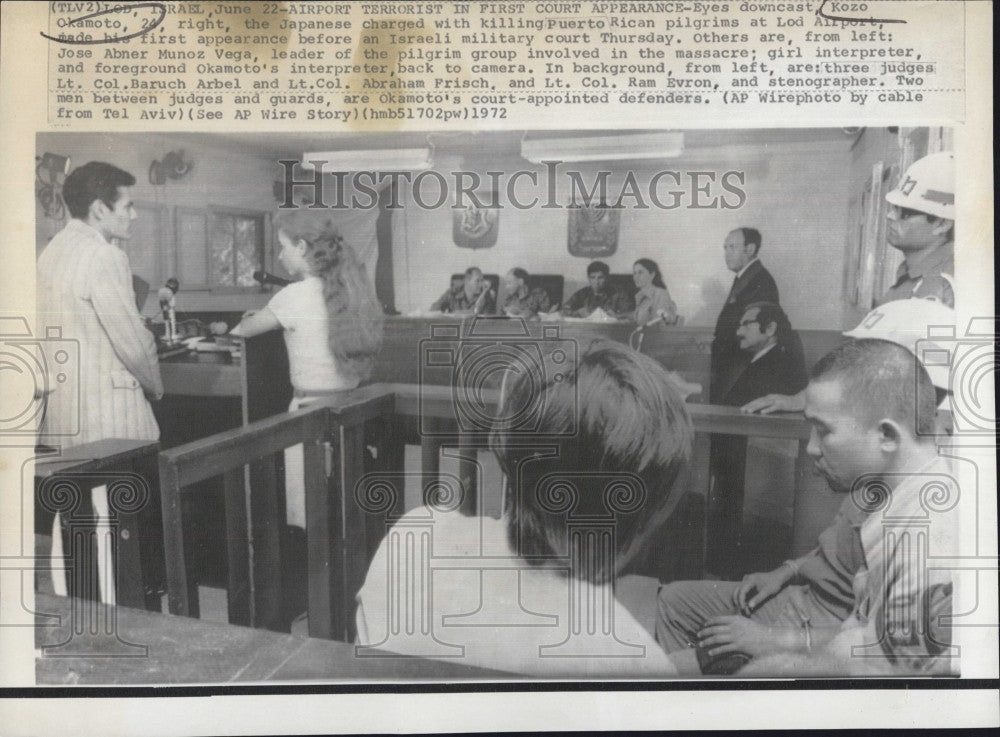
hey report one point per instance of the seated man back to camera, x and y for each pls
(533, 592)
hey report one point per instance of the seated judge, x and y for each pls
(652, 301)
(598, 294)
(610, 443)
(472, 296)
(521, 301)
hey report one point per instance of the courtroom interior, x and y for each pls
(358, 361)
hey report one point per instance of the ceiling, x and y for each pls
(274, 145)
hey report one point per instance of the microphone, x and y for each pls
(165, 294)
(661, 317)
(264, 278)
(488, 291)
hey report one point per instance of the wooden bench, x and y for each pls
(176, 650)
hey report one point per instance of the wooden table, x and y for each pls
(153, 648)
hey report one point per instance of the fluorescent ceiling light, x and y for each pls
(381, 159)
(623, 147)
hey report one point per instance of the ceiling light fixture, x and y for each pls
(622, 147)
(381, 159)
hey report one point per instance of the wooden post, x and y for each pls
(179, 597)
(321, 541)
(353, 523)
(238, 585)
(265, 520)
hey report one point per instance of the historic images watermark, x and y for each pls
(32, 367)
(525, 189)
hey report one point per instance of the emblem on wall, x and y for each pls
(475, 227)
(593, 231)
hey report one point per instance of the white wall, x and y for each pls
(796, 197)
(218, 177)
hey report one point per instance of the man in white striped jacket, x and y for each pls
(85, 290)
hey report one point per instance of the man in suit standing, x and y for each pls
(753, 283)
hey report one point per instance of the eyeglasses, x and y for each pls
(902, 213)
(748, 323)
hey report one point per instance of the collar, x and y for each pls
(926, 262)
(904, 504)
(742, 271)
(763, 352)
(85, 229)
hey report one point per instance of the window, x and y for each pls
(236, 247)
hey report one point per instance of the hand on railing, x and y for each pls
(775, 403)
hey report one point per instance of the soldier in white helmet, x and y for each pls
(921, 224)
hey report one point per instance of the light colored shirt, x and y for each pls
(652, 300)
(86, 307)
(302, 312)
(902, 600)
(762, 352)
(443, 585)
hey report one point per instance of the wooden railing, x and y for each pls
(126, 534)
(364, 432)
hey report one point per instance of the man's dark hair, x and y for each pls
(598, 267)
(880, 379)
(751, 235)
(768, 313)
(473, 270)
(520, 273)
(93, 181)
(613, 440)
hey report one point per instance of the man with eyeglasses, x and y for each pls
(921, 224)
(776, 361)
(775, 364)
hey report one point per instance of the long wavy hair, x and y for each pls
(653, 268)
(355, 316)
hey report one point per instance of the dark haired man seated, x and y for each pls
(587, 484)
(864, 601)
(776, 364)
(598, 294)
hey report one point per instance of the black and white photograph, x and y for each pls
(404, 366)
(295, 430)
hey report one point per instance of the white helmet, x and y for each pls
(928, 186)
(924, 327)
